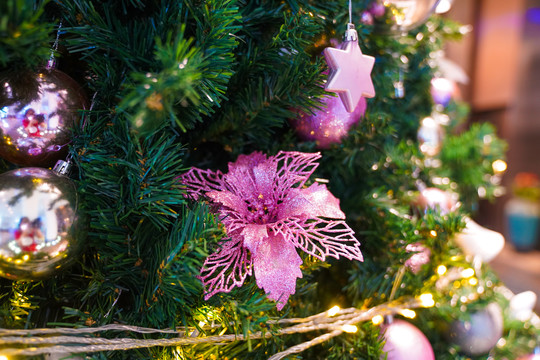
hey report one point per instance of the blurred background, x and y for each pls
(501, 56)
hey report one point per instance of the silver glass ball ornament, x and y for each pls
(479, 334)
(37, 113)
(41, 228)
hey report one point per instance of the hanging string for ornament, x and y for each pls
(399, 85)
(51, 64)
(350, 70)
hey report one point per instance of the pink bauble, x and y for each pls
(480, 332)
(405, 342)
(330, 124)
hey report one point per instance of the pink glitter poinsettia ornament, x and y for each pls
(268, 213)
(420, 257)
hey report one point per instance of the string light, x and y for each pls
(408, 313)
(61, 340)
(377, 320)
(333, 311)
(426, 300)
(441, 270)
(467, 273)
(499, 166)
(350, 329)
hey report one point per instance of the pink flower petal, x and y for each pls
(294, 204)
(323, 202)
(277, 265)
(234, 221)
(229, 200)
(226, 268)
(312, 202)
(294, 168)
(264, 174)
(254, 236)
(198, 182)
(247, 161)
(319, 237)
(240, 180)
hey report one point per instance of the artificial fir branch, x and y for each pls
(24, 35)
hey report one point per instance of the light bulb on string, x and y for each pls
(350, 329)
(333, 311)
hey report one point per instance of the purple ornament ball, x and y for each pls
(405, 341)
(442, 90)
(329, 124)
(377, 9)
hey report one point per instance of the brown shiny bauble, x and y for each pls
(43, 229)
(37, 113)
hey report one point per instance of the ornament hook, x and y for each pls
(51, 64)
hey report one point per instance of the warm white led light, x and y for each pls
(351, 329)
(333, 311)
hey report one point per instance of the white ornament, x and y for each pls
(522, 305)
(478, 241)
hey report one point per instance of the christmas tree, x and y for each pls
(226, 205)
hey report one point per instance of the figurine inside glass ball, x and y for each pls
(42, 229)
(37, 113)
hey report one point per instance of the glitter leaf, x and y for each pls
(226, 268)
